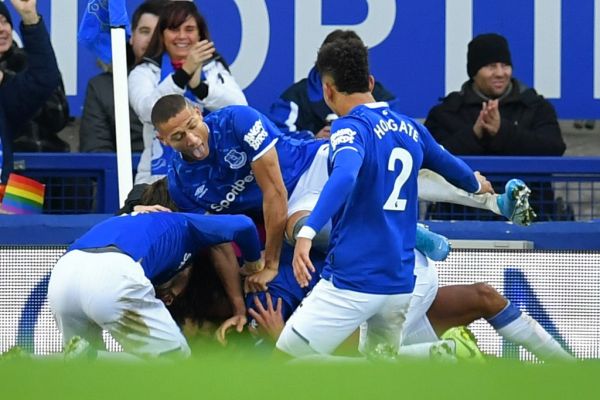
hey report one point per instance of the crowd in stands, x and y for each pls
(171, 52)
(209, 152)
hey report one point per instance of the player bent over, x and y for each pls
(106, 278)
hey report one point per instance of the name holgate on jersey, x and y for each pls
(236, 188)
(384, 126)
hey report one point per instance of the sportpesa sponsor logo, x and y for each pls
(238, 187)
(345, 135)
(256, 135)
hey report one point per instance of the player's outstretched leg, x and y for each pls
(514, 203)
(458, 305)
(434, 246)
(465, 344)
(519, 328)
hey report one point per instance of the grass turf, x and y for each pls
(237, 374)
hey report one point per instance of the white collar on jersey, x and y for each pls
(377, 104)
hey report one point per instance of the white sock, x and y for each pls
(527, 332)
(419, 331)
(433, 187)
(423, 350)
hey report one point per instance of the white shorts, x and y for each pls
(89, 292)
(311, 183)
(329, 315)
(426, 287)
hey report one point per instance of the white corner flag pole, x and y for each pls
(119, 64)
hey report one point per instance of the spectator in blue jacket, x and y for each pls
(301, 110)
(22, 94)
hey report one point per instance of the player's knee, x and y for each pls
(294, 223)
(491, 302)
(294, 344)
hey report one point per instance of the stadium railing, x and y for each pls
(76, 183)
(564, 188)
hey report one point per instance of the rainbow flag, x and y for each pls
(23, 195)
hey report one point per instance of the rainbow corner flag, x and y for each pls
(23, 195)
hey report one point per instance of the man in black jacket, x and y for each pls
(38, 132)
(22, 94)
(495, 114)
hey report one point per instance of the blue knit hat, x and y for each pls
(4, 11)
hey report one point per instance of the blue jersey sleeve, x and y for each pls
(347, 155)
(215, 229)
(255, 133)
(344, 137)
(438, 159)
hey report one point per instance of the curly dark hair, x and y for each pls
(346, 61)
(204, 298)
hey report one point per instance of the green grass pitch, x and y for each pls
(235, 374)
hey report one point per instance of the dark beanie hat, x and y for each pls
(487, 49)
(4, 11)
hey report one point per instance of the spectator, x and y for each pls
(23, 93)
(39, 131)
(495, 114)
(180, 59)
(97, 132)
(301, 106)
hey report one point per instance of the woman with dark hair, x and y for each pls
(180, 59)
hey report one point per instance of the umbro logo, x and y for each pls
(200, 192)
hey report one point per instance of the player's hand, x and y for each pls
(258, 282)
(147, 209)
(252, 267)
(486, 186)
(199, 53)
(301, 263)
(27, 9)
(270, 320)
(237, 321)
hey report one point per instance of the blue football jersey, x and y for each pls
(163, 242)
(373, 231)
(224, 181)
(285, 286)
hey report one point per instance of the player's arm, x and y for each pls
(268, 176)
(346, 166)
(452, 168)
(226, 266)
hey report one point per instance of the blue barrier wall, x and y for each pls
(418, 48)
(63, 229)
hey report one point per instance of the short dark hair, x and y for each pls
(158, 193)
(166, 108)
(153, 7)
(346, 61)
(172, 16)
(340, 34)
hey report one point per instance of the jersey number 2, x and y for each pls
(394, 203)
